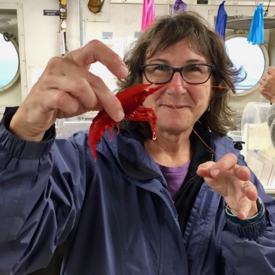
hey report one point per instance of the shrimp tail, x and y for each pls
(98, 128)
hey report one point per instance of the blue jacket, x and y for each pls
(116, 222)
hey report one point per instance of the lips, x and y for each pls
(176, 106)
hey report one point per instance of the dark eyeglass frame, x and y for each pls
(179, 70)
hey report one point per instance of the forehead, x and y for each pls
(180, 51)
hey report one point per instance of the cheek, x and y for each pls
(204, 91)
(144, 80)
(202, 98)
(150, 101)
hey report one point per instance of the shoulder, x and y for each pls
(222, 141)
(224, 145)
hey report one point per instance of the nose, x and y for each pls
(178, 83)
(177, 78)
(178, 86)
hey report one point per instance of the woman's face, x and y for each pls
(179, 106)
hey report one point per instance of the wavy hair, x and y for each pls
(203, 40)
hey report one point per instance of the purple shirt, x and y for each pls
(174, 177)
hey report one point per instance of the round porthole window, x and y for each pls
(252, 58)
(9, 61)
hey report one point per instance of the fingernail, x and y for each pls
(244, 215)
(215, 172)
(123, 69)
(119, 115)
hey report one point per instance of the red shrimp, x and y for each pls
(131, 100)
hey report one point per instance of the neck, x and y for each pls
(172, 152)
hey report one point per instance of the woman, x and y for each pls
(267, 84)
(184, 203)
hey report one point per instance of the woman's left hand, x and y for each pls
(231, 181)
(267, 84)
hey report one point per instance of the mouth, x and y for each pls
(175, 107)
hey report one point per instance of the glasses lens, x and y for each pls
(196, 73)
(192, 74)
(158, 73)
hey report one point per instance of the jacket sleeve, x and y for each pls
(41, 191)
(250, 248)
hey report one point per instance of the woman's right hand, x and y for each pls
(66, 89)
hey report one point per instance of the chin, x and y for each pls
(175, 129)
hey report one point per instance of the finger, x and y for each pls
(105, 98)
(77, 88)
(64, 102)
(250, 190)
(242, 173)
(97, 51)
(226, 163)
(93, 98)
(204, 169)
(244, 208)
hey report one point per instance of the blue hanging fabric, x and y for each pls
(256, 31)
(179, 6)
(221, 21)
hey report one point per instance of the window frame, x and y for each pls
(266, 57)
(17, 74)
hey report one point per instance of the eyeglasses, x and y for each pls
(191, 74)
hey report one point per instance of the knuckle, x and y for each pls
(94, 44)
(231, 157)
(53, 63)
(116, 58)
(82, 84)
(44, 80)
(60, 98)
(95, 81)
(246, 185)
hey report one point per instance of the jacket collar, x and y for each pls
(128, 150)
